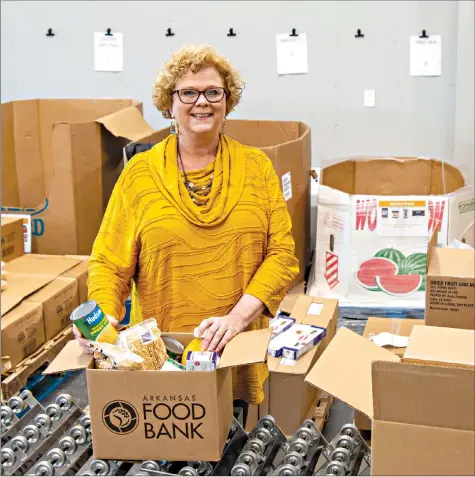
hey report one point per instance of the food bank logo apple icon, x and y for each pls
(120, 417)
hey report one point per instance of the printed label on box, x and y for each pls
(402, 218)
(315, 309)
(287, 186)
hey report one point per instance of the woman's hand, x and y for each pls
(83, 342)
(218, 331)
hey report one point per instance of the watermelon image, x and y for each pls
(400, 285)
(415, 264)
(391, 254)
(372, 268)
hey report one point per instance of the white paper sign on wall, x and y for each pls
(291, 54)
(108, 52)
(426, 56)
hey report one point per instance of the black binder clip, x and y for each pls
(424, 34)
(231, 32)
(108, 32)
(169, 32)
(359, 34)
(294, 33)
(49, 32)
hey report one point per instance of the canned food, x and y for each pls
(174, 348)
(93, 324)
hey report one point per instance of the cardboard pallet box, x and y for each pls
(80, 273)
(172, 415)
(375, 216)
(286, 384)
(81, 141)
(423, 406)
(375, 326)
(35, 304)
(12, 238)
(450, 297)
(288, 146)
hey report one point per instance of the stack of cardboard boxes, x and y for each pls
(42, 292)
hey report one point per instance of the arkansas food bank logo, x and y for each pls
(162, 417)
(120, 417)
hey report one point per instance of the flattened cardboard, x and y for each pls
(12, 239)
(344, 369)
(59, 298)
(417, 394)
(29, 273)
(22, 332)
(403, 449)
(450, 295)
(441, 346)
(254, 342)
(395, 326)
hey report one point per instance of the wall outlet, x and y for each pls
(369, 98)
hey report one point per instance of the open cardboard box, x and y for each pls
(172, 415)
(370, 204)
(60, 161)
(450, 296)
(395, 326)
(423, 413)
(286, 384)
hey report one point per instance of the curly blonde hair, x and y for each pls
(194, 58)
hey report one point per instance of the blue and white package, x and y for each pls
(301, 338)
(280, 323)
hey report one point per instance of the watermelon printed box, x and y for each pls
(375, 217)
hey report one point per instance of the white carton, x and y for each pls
(280, 323)
(301, 338)
(385, 209)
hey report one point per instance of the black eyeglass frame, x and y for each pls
(201, 93)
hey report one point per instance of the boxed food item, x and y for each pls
(450, 297)
(423, 410)
(288, 146)
(201, 361)
(174, 416)
(60, 161)
(280, 323)
(375, 216)
(12, 238)
(301, 338)
(286, 384)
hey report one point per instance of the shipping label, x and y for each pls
(287, 186)
(455, 295)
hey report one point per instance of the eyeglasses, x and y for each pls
(191, 96)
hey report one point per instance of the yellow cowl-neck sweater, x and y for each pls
(187, 262)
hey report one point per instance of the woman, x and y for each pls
(197, 224)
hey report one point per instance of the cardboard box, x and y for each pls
(450, 297)
(59, 298)
(423, 414)
(385, 207)
(170, 415)
(289, 301)
(288, 146)
(22, 332)
(80, 273)
(12, 238)
(375, 326)
(29, 273)
(286, 384)
(80, 140)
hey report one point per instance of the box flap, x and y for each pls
(440, 345)
(71, 357)
(450, 262)
(127, 123)
(395, 326)
(344, 369)
(424, 395)
(31, 272)
(432, 244)
(246, 348)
